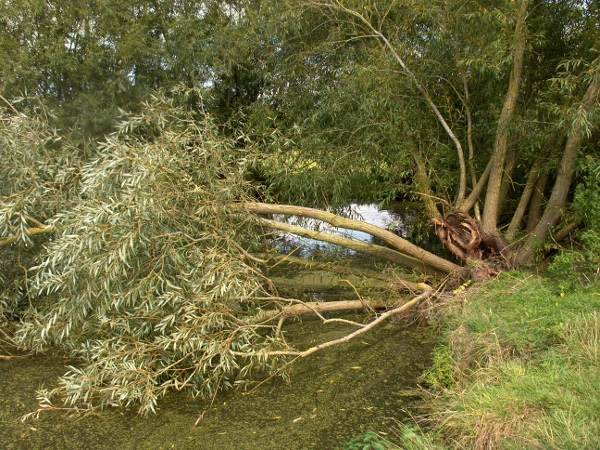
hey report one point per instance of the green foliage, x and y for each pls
(369, 441)
(145, 281)
(38, 177)
(92, 60)
(441, 373)
(577, 267)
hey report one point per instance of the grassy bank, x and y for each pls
(519, 368)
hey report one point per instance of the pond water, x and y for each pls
(334, 395)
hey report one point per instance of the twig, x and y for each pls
(301, 354)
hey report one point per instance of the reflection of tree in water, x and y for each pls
(408, 222)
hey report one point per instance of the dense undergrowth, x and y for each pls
(518, 368)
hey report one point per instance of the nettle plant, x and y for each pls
(144, 280)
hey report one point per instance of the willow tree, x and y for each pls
(465, 106)
(135, 253)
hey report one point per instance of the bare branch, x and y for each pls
(302, 354)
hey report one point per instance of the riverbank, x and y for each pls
(519, 368)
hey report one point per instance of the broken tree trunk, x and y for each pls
(408, 249)
(465, 238)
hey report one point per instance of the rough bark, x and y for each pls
(492, 198)
(515, 223)
(426, 258)
(558, 198)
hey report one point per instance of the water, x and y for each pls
(334, 395)
(399, 217)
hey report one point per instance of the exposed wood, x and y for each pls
(465, 238)
(425, 258)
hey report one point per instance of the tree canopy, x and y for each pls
(141, 142)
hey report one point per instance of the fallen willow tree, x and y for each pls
(132, 258)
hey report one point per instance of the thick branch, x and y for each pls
(537, 200)
(558, 198)
(515, 223)
(492, 198)
(371, 249)
(40, 229)
(475, 194)
(425, 257)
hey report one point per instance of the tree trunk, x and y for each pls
(558, 198)
(423, 256)
(537, 199)
(492, 198)
(515, 223)
(370, 249)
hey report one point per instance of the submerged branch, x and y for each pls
(424, 296)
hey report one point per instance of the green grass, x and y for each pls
(520, 368)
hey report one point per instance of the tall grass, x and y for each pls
(520, 369)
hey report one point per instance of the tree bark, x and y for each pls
(376, 250)
(515, 223)
(492, 198)
(558, 198)
(364, 328)
(537, 199)
(475, 194)
(420, 179)
(423, 256)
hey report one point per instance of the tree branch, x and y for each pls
(301, 354)
(422, 89)
(424, 257)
